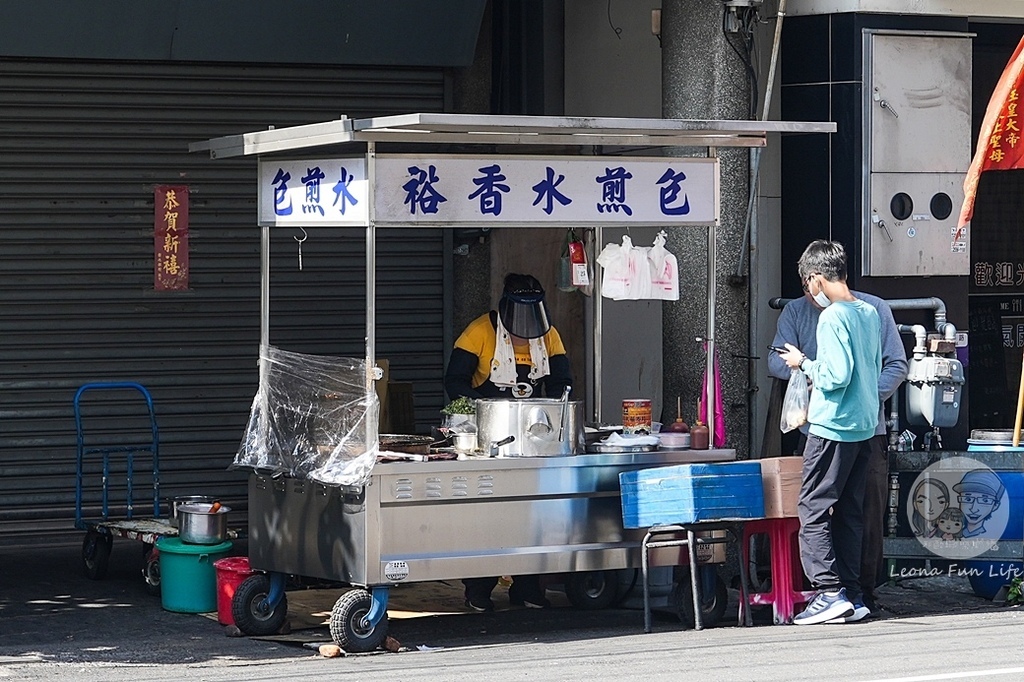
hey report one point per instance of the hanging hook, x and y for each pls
(304, 237)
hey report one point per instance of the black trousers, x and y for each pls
(831, 510)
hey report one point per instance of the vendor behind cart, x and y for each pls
(513, 353)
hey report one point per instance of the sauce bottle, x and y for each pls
(700, 436)
(678, 426)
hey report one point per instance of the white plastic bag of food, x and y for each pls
(794, 405)
(664, 271)
(614, 261)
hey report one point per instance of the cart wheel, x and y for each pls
(151, 572)
(248, 607)
(592, 590)
(347, 627)
(712, 607)
(96, 554)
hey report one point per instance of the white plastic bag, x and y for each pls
(794, 405)
(615, 280)
(664, 271)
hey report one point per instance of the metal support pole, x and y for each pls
(709, 406)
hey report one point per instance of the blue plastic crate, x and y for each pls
(691, 493)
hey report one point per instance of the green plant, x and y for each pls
(1016, 592)
(459, 406)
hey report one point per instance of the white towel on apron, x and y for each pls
(503, 365)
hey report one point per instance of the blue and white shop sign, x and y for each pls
(490, 190)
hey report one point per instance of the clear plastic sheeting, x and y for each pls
(312, 418)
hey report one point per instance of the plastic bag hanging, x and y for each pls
(664, 270)
(796, 401)
(613, 261)
(565, 282)
(580, 273)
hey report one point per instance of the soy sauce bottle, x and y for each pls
(700, 436)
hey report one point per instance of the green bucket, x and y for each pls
(188, 580)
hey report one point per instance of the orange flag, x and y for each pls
(1000, 145)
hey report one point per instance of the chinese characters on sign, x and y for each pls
(170, 237)
(491, 190)
(1002, 274)
(313, 192)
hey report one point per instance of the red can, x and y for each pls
(636, 416)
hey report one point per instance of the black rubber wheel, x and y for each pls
(151, 572)
(712, 607)
(249, 610)
(347, 627)
(592, 590)
(96, 554)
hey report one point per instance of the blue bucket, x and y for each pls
(987, 577)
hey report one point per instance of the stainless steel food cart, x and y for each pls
(486, 516)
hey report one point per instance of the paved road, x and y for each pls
(53, 623)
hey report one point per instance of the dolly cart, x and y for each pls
(114, 458)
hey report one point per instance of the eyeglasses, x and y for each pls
(976, 499)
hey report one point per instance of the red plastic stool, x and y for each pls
(787, 574)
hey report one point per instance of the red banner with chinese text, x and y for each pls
(1000, 146)
(170, 237)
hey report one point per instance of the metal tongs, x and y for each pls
(565, 405)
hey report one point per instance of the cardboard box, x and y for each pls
(781, 477)
(691, 493)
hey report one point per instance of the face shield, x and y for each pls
(523, 312)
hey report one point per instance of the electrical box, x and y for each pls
(917, 136)
(934, 387)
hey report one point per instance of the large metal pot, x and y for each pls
(200, 524)
(188, 499)
(540, 427)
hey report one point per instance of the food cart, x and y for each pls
(343, 516)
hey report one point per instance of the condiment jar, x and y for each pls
(700, 437)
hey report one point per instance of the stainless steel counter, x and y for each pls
(418, 521)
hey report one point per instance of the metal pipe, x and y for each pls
(947, 329)
(709, 407)
(598, 324)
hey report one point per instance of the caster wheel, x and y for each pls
(348, 628)
(714, 602)
(592, 590)
(151, 572)
(96, 554)
(249, 608)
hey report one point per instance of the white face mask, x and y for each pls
(820, 298)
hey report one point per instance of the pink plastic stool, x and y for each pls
(785, 564)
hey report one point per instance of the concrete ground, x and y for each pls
(53, 619)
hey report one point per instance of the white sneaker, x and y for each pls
(824, 607)
(860, 612)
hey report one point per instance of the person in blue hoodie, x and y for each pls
(798, 323)
(842, 416)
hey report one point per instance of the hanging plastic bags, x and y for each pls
(664, 271)
(794, 404)
(614, 259)
(633, 273)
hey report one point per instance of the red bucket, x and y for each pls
(231, 572)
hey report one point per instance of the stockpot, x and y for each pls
(538, 427)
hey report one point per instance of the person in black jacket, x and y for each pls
(512, 353)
